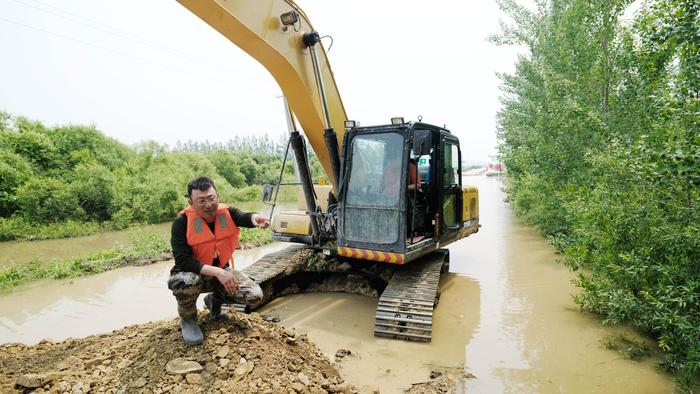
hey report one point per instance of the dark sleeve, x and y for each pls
(184, 262)
(242, 219)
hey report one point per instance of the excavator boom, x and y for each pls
(256, 27)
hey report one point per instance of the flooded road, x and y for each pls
(505, 316)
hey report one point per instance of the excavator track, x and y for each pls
(405, 308)
(269, 267)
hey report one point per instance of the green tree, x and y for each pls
(85, 144)
(599, 131)
(34, 146)
(47, 200)
(14, 171)
(92, 187)
(227, 164)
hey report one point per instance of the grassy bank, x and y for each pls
(143, 248)
(18, 229)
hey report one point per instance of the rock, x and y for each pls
(193, 378)
(222, 339)
(340, 353)
(34, 380)
(291, 341)
(223, 351)
(79, 388)
(181, 366)
(123, 363)
(241, 325)
(244, 369)
(211, 367)
(271, 318)
(138, 383)
(303, 379)
(275, 385)
(339, 388)
(95, 361)
(435, 374)
(298, 387)
(224, 362)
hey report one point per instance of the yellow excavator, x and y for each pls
(396, 196)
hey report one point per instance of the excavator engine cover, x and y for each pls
(292, 222)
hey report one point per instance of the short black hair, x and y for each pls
(202, 183)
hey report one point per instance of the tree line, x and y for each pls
(600, 131)
(74, 176)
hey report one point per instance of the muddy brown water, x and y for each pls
(18, 252)
(505, 316)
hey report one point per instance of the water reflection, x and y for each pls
(334, 321)
(59, 309)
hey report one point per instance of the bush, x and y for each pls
(14, 171)
(46, 200)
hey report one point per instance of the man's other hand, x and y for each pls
(228, 281)
(260, 221)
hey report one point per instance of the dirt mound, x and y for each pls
(245, 354)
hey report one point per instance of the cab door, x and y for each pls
(451, 191)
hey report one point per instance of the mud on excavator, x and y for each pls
(396, 196)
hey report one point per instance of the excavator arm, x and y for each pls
(256, 27)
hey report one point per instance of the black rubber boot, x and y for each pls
(191, 332)
(214, 306)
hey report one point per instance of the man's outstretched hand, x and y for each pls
(260, 221)
(228, 281)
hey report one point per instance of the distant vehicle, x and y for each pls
(493, 169)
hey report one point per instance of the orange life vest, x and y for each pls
(207, 246)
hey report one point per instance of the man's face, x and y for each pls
(205, 203)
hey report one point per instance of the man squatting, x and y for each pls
(204, 237)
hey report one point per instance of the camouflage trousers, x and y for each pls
(187, 286)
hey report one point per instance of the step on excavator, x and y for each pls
(395, 198)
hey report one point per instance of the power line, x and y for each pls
(104, 48)
(75, 18)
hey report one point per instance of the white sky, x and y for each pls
(164, 75)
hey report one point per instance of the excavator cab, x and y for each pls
(380, 217)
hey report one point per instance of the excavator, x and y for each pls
(395, 198)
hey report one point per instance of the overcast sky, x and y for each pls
(150, 70)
